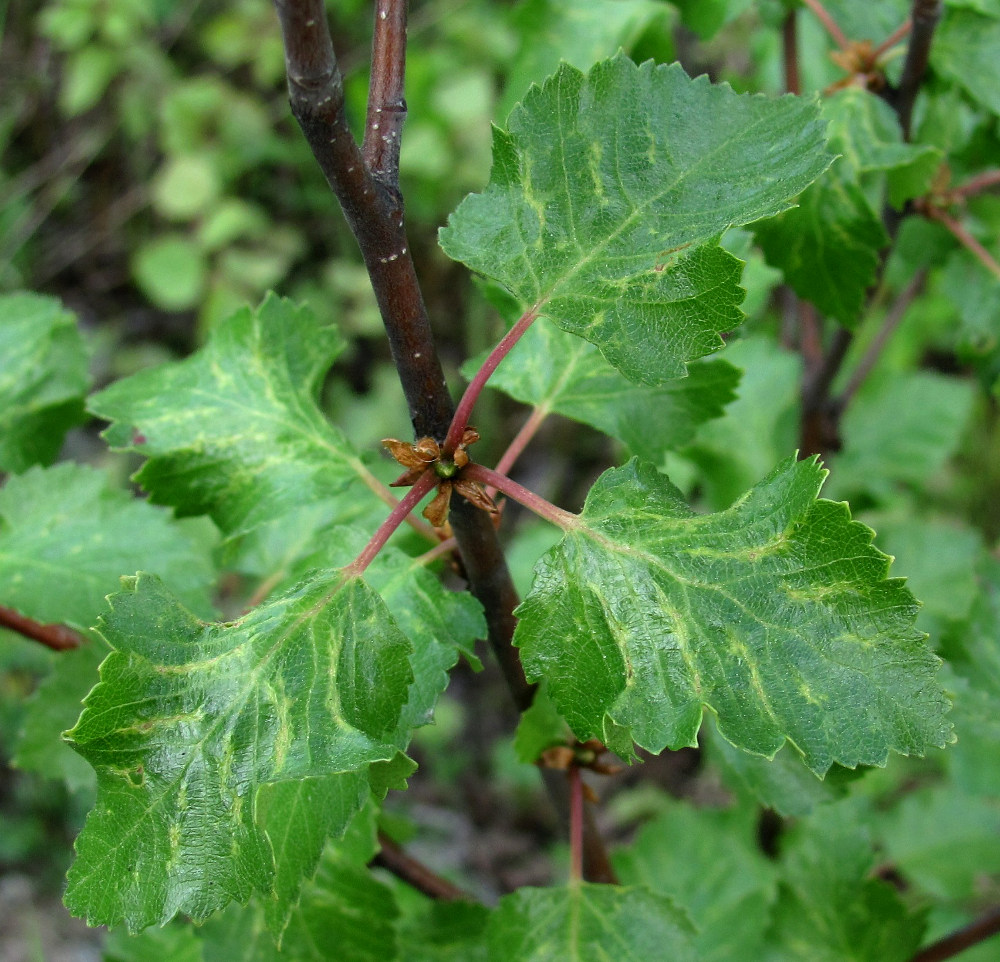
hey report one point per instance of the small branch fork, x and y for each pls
(821, 412)
(365, 181)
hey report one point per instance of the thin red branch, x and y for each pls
(56, 637)
(413, 497)
(981, 182)
(393, 859)
(790, 52)
(823, 16)
(521, 440)
(965, 938)
(898, 34)
(534, 502)
(965, 239)
(464, 410)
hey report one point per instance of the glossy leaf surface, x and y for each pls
(776, 614)
(608, 193)
(191, 719)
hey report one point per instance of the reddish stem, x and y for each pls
(965, 239)
(522, 439)
(790, 51)
(421, 487)
(534, 502)
(892, 39)
(464, 410)
(56, 637)
(386, 105)
(575, 824)
(990, 178)
(829, 23)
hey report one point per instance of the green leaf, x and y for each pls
(171, 270)
(776, 614)
(298, 818)
(972, 651)
(710, 863)
(758, 429)
(608, 194)
(177, 942)
(864, 130)
(782, 783)
(66, 536)
(829, 909)
(445, 932)
(43, 379)
(588, 923)
(929, 412)
(234, 430)
(191, 719)
(557, 372)
(945, 841)
(541, 727)
(828, 247)
(439, 623)
(344, 913)
(52, 709)
(964, 51)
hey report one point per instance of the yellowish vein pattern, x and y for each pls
(608, 193)
(191, 719)
(235, 431)
(776, 614)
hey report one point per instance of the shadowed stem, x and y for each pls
(393, 859)
(951, 945)
(924, 16)
(790, 52)
(56, 637)
(575, 823)
(893, 317)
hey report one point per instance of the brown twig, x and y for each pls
(981, 182)
(393, 859)
(56, 637)
(373, 207)
(898, 34)
(820, 426)
(924, 17)
(951, 945)
(823, 16)
(966, 239)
